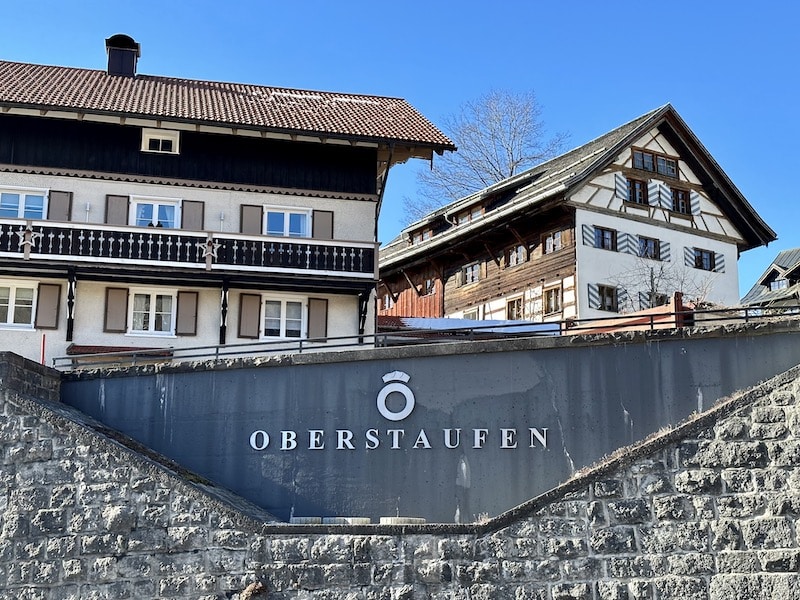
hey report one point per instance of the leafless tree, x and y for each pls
(658, 280)
(498, 135)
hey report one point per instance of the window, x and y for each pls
(387, 302)
(649, 248)
(155, 212)
(680, 201)
(514, 310)
(286, 223)
(704, 259)
(552, 300)
(152, 312)
(778, 284)
(161, 141)
(551, 242)
(22, 204)
(655, 163)
(605, 238)
(652, 299)
(16, 305)
(469, 215)
(428, 287)
(420, 236)
(471, 273)
(608, 298)
(516, 255)
(637, 191)
(471, 314)
(283, 318)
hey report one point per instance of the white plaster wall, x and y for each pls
(353, 220)
(29, 342)
(595, 265)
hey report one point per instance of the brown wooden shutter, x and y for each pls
(249, 316)
(322, 224)
(116, 319)
(116, 210)
(192, 215)
(59, 206)
(317, 318)
(250, 220)
(47, 302)
(186, 320)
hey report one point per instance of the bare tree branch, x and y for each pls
(498, 135)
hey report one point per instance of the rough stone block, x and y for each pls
(673, 508)
(608, 488)
(681, 588)
(755, 587)
(632, 511)
(613, 540)
(767, 533)
(571, 591)
(725, 454)
(726, 535)
(699, 481)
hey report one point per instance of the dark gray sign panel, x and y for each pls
(444, 436)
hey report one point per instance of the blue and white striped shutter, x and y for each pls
(664, 251)
(588, 235)
(594, 296)
(622, 298)
(644, 300)
(627, 243)
(665, 196)
(719, 262)
(621, 186)
(688, 256)
(694, 202)
(652, 193)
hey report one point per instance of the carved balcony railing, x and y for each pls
(91, 242)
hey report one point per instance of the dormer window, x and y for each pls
(420, 236)
(778, 284)
(161, 141)
(470, 215)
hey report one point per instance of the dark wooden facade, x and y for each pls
(403, 293)
(208, 157)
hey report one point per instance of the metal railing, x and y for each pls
(405, 337)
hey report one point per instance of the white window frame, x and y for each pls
(155, 201)
(152, 292)
(284, 300)
(14, 286)
(161, 135)
(471, 314)
(517, 301)
(556, 292)
(552, 242)
(287, 212)
(22, 192)
(471, 273)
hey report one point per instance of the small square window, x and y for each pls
(516, 255)
(471, 273)
(152, 312)
(429, 287)
(552, 300)
(514, 310)
(16, 305)
(704, 259)
(551, 242)
(608, 298)
(637, 191)
(605, 238)
(162, 141)
(471, 314)
(649, 248)
(680, 201)
(286, 223)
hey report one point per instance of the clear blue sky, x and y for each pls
(729, 67)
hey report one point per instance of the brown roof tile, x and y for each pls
(350, 116)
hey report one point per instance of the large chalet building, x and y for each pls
(617, 225)
(779, 285)
(154, 212)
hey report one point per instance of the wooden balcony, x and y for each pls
(175, 248)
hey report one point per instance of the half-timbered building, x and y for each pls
(139, 211)
(616, 225)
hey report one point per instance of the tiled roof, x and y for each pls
(331, 114)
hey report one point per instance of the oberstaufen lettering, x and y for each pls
(399, 439)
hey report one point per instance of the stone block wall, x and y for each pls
(708, 510)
